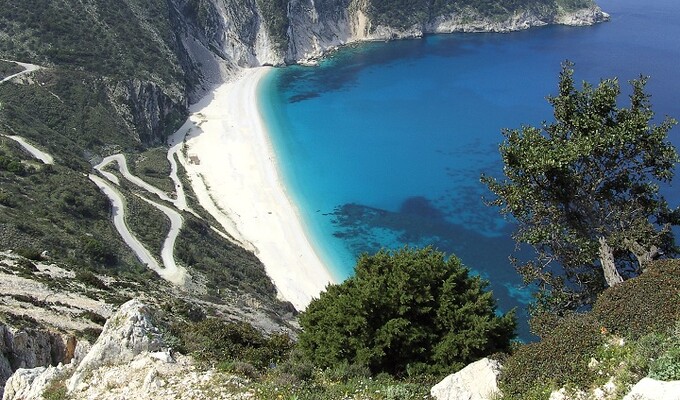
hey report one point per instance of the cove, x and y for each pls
(382, 144)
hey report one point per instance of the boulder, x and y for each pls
(651, 389)
(477, 381)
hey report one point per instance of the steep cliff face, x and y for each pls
(151, 112)
(317, 26)
(29, 348)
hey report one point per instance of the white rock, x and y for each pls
(477, 381)
(29, 384)
(164, 356)
(127, 333)
(651, 389)
(564, 394)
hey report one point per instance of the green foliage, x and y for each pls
(405, 312)
(152, 165)
(573, 5)
(633, 331)
(590, 174)
(30, 253)
(56, 390)
(322, 385)
(275, 15)
(90, 279)
(100, 253)
(149, 224)
(399, 13)
(9, 68)
(667, 367)
(559, 359)
(72, 109)
(94, 317)
(12, 166)
(216, 341)
(648, 303)
(130, 39)
(226, 265)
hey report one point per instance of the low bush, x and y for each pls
(666, 366)
(90, 279)
(56, 391)
(643, 310)
(30, 253)
(94, 317)
(216, 341)
(559, 359)
(644, 304)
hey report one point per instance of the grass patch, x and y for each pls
(153, 167)
(149, 224)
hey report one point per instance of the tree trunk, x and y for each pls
(643, 256)
(611, 274)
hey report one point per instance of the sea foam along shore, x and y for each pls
(231, 163)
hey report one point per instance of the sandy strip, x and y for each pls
(232, 167)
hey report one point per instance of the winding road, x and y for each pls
(118, 211)
(170, 271)
(27, 68)
(35, 152)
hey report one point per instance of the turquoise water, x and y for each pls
(383, 144)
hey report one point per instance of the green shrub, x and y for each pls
(30, 253)
(90, 279)
(344, 372)
(56, 391)
(91, 334)
(643, 310)
(559, 359)
(216, 341)
(667, 367)
(648, 303)
(94, 317)
(407, 312)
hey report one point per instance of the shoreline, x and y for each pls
(230, 161)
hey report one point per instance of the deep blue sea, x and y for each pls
(383, 144)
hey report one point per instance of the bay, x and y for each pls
(382, 144)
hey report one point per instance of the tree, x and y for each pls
(408, 311)
(584, 190)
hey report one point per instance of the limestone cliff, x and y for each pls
(220, 35)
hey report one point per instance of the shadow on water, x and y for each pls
(419, 223)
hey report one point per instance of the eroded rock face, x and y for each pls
(28, 348)
(477, 381)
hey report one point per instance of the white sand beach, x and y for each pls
(232, 167)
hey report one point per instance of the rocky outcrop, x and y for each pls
(477, 381)
(151, 111)
(128, 361)
(28, 348)
(126, 334)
